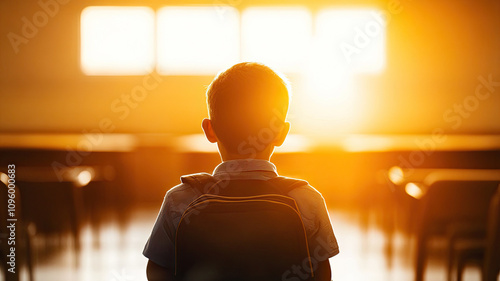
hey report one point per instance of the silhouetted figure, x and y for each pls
(243, 221)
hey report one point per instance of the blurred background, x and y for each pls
(395, 119)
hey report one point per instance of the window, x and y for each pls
(278, 36)
(202, 40)
(352, 38)
(347, 43)
(326, 52)
(197, 40)
(117, 40)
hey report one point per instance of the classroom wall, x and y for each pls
(436, 50)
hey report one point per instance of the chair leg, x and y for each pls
(420, 258)
(491, 265)
(75, 223)
(460, 269)
(490, 273)
(451, 259)
(29, 256)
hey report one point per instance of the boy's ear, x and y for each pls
(281, 136)
(206, 125)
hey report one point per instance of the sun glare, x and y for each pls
(4, 178)
(197, 40)
(84, 178)
(396, 175)
(414, 190)
(328, 52)
(278, 36)
(117, 40)
(347, 43)
(352, 39)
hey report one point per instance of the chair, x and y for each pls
(492, 256)
(484, 251)
(54, 209)
(448, 203)
(462, 236)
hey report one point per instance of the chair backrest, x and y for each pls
(49, 205)
(249, 230)
(492, 255)
(456, 202)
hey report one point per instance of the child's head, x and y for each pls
(247, 105)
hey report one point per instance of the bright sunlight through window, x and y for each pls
(117, 40)
(329, 52)
(277, 36)
(347, 43)
(351, 38)
(197, 40)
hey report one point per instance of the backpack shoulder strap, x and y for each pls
(286, 184)
(198, 181)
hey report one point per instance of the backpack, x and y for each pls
(241, 230)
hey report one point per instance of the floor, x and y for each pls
(366, 253)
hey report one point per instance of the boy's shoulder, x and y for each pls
(194, 184)
(198, 180)
(309, 200)
(188, 182)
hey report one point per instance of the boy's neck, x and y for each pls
(263, 155)
(243, 157)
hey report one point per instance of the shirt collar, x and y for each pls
(241, 166)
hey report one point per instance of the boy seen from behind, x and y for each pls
(247, 106)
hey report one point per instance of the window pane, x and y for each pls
(197, 40)
(347, 43)
(278, 36)
(351, 38)
(117, 40)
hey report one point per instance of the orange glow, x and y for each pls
(199, 143)
(84, 178)
(295, 143)
(414, 190)
(331, 101)
(103, 103)
(195, 143)
(347, 43)
(358, 143)
(337, 57)
(462, 174)
(4, 178)
(327, 52)
(396, 175)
